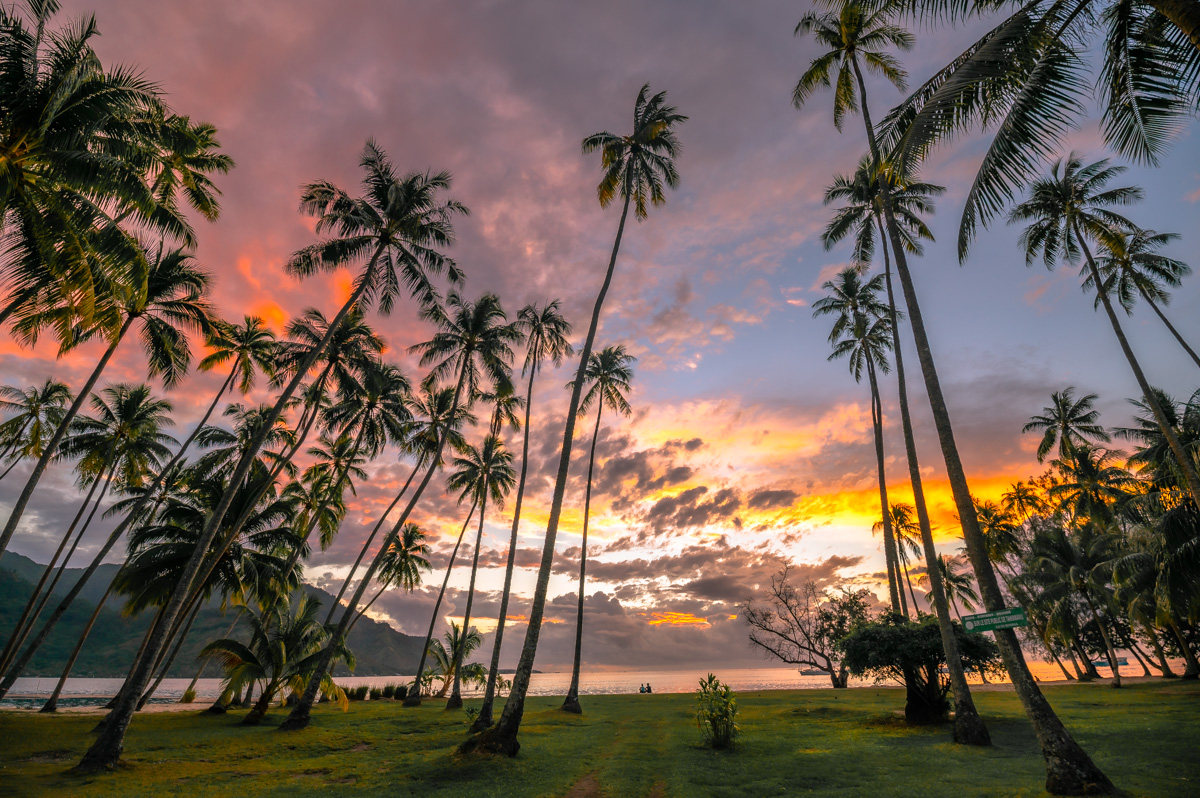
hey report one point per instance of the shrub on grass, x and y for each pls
(376, 694)
(188, 697)
(716, 712)
(389, 691)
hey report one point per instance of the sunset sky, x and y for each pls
(746, 447)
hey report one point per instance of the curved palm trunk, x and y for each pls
(1163, 666)
(1191, 352)
(259, 711)
(503, 736)
(415, 700)
(300, 714)
(51, 447)
(889, 538)
(456, 701)
(51, 704)
(1191, 668)
(1181, 456)
(365, 547)
(484, 719)
(162, 673)
(39, 597)
(1069, 770)
(113, 537)
(1108, 646)
(571, 702)
(106, 751)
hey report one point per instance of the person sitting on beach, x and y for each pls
(648, 690)
(641, 688)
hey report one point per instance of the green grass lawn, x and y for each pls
(813, 742)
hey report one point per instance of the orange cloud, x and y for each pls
(674, 619)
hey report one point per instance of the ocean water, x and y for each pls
(31, 692)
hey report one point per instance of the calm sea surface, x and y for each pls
(31, 691)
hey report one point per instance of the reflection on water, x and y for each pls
(86, 691)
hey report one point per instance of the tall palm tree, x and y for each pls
(1063, 211)
(481, 473)
(862, 332)
(172, 303)
(473, 345)
(608, 375)
(1132, 267)
(1092, 485)
(457, 647)
(122, 443)
(36, 412)
(1152, 455)
(908, 540)
(545, 332)
(635, 167)
(1068, 423)
(398, 228)
(286, 642)
(1069, 768)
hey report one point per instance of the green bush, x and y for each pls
(188, 697)
(716, 712)
(389, 691)
(376, 694)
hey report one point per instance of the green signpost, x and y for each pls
(1000, 619)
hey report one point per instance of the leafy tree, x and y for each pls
(803, 625)
(895, 648)
(635, 167)
(608, 375)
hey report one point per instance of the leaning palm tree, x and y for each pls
(481, 473)
(608, 375)
(396, 230)
(1069, 768)
(1132, 267)
(286, 643)
(1066, 422)
(473, 346)
(457, 647)
(635, 168)
(120, 444)
(403, 563)
(172, 303)
(1062, 213)
(545, 332)
(862, 332)
(36, 413)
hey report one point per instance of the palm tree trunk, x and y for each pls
(365, 547)
(969, 728)
(456, 701)
(179, 641)
(39, 597)
(261, 706)
(1079, 673)
(889, 538)
(1191, 668)
(51, 704)
(1069, 770)
(571, 703)
(300, 714)
(1108, 646)
(1191, 352)
(484, 718)
(1183, 14)
(1163, 666)
(503, 736)
(415, 700)
(51, 447)
(106, 751)
(1134, 648)
(1181, 456)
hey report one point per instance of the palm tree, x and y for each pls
(480, 473)
(1077, 565)
(957, 582)
(1023, 499)
(635, 168)
(1153, 455)
(448, 655)
(286, 643)
(862, 332)
(122, 444)
(1068, 766)
(545, 332)
(608, 375)
(37, 412)
(1132, 267)
(404, 560)
(1000, 530)
(473, 344)
(398, 228)
(908, 540)
(172, 303)
(1066, 422)
(1065, 210)
(1092, 485)
(72, 136)
(861, 214)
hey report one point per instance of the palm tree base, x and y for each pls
(297, 721)
(969, 729)
(571, 704)
(412, 701)
(50, 706)
(491, 741)
(99, 727)
(481, 724)
(454, 702)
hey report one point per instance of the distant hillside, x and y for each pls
(379, 649)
